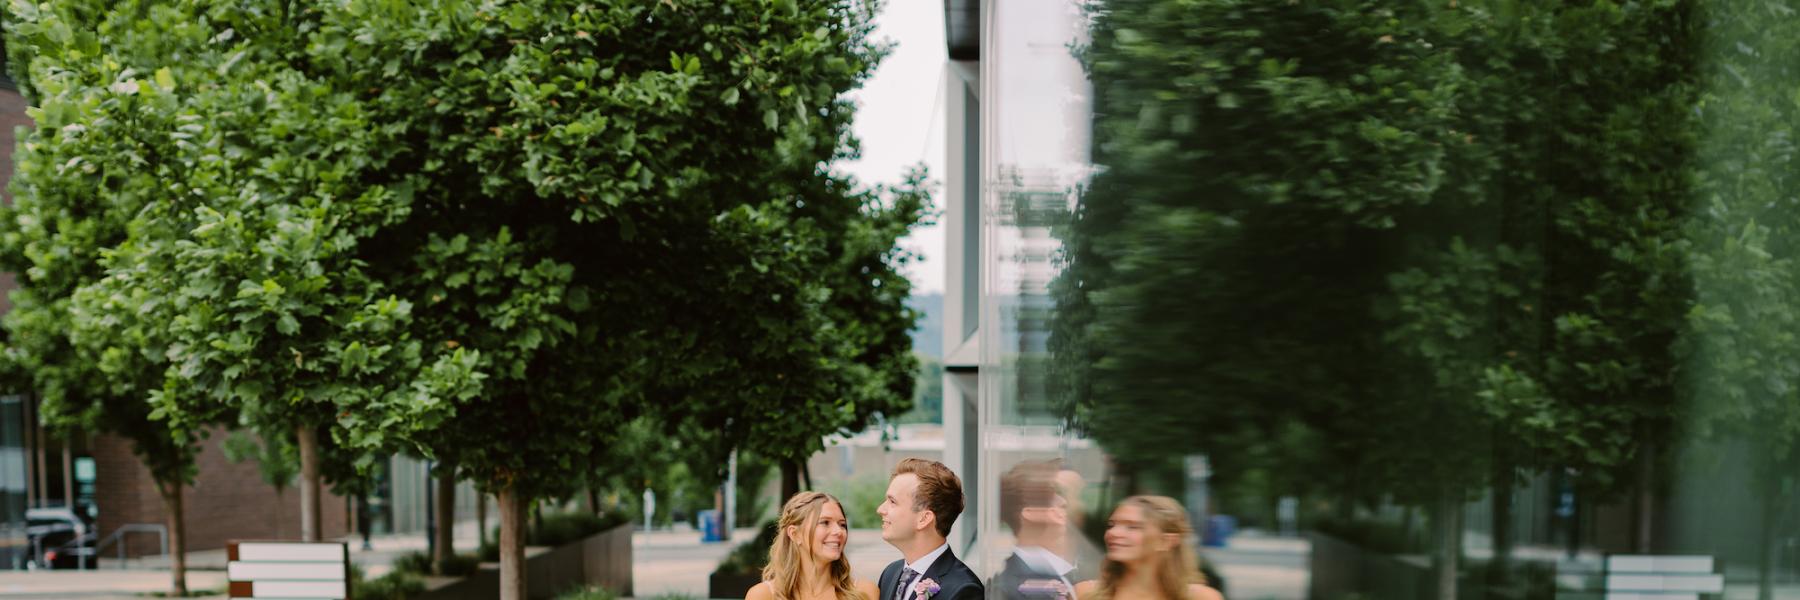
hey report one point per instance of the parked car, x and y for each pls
(60, 538)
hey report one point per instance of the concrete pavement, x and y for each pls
(1255, 566)
(664, 562)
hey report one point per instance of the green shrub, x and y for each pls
(587, 593)
(860, 496)
(462, 565)
(1374, 536)
(416, 562)
(557, 529)
(751, 556)
(489, 551)
(397, 585)
(563, 528)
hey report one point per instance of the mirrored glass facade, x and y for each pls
(1391, 300)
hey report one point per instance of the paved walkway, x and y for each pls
(1262, 567)
(206, 570)
(1256, 567)
(677, 562)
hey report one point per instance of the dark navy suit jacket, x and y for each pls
(955, 580)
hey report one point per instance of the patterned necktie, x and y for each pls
(907, 579)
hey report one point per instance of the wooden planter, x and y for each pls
(602, 559)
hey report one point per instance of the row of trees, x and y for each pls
(507, 237)
(1413, 252)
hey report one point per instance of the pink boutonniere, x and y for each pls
(925, 588)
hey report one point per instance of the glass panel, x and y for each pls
(1392, 300)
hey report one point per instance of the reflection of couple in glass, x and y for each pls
(807, 561)
(1148, 552)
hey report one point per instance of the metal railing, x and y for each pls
(118, 535)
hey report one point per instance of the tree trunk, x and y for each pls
(1765, 546)
(171, 495)
(1502, 522)
(512, 544)
(308, 441)
(1448, 522)
(593, 502)
(1575, 524)
(790, 480)
(481, 518)
(68, 470)
(446, 518)
(350, 516)
(1645, 504)
(280, 499)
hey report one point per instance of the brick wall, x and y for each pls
(227, 501)
(12, 116)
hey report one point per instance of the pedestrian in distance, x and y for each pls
(807, 560)
(1149, 555)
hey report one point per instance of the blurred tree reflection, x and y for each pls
(1744, 359)
(1389, 252)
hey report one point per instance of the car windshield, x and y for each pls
(59, 517)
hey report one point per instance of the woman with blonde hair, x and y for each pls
(807, 560)
(1148, 555)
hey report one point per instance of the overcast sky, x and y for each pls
(901, 120)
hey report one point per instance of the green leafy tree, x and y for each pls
(105, 131)
(1742, 366)
(1407, 250)
(1597, 155)
(1199, 229)
(247, 278)
(598, 211)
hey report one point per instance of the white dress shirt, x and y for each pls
(925, 562)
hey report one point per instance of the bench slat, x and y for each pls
(1638, 563)
(1710, 584)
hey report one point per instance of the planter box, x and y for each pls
(731, 585)
(1340, 568)
(602, 559)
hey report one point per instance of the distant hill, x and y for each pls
(928, 337)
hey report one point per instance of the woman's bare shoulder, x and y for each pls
(1087, 588)
(868, 589)
(1199, 591)
(761, 591)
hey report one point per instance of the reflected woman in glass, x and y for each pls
(807, 561)
(1148, 555)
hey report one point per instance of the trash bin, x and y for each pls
(709, 526)
(1219, 528)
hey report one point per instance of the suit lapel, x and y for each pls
(941, 566)
(890, 578)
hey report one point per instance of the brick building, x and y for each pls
(227, 501)
(98, 473)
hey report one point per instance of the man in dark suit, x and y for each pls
(923, 500)
(1034, 505)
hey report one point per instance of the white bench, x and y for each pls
(1644, 577)
(297, 570)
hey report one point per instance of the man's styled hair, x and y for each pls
(939, 490)
(1029, 484)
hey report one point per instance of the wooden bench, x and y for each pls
(1642, 577)
(310, 570)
